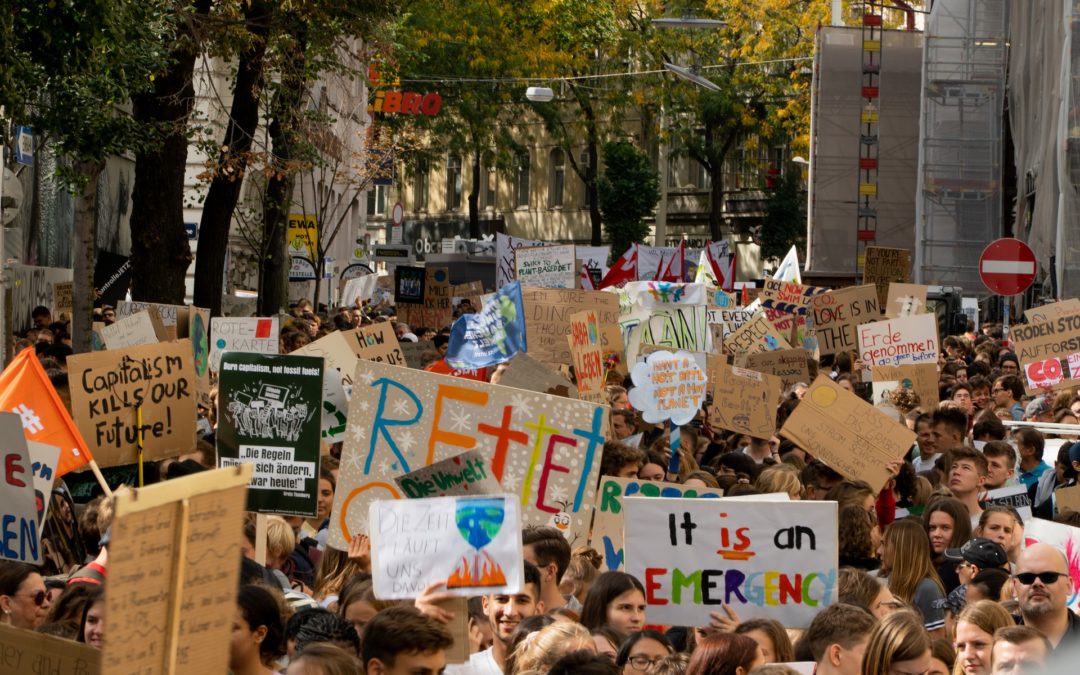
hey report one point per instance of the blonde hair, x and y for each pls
(541, 649)
(672, 664)
(280, 538)
(778, 479)
(899, 637)
(907, 559)
(582, 571)
(986, 615)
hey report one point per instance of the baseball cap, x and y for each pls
(1040, 405)
(979, 551)
(1074, 452)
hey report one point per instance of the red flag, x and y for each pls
(624, 270)
(723, 269)
(586, 279)
(673, 271)
(25, 390)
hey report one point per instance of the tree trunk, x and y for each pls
(474, 195)
(224, 190)
(160, 253)
(85, 255)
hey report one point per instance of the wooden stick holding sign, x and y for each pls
(669, 388)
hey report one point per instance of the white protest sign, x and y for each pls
(505, 246)
(44, 459)
(254, 335)
(358, 289)
(130, 331)
(19, 536)
(907, 340)
(668, 387)
(473, 544)
(1015, 496)
(767, 559)
(546, 266)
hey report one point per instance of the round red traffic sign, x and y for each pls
(1007, 266)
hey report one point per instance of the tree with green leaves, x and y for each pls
(784, 225)
(629, 189)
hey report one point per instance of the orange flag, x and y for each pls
(25, 390)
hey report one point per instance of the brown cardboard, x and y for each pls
(525, 372)
(755, 336)
(1049, 352)
(790, 365)
(837, 314)
(588, 356)
(547, 318)
(883, 266)
(905, 299)
(922, 377)
(743, 401)
(27, 651)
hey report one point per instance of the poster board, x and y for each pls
(1014, 496)
(130, 331)
(547, 318)
(1067, 498)
(254, 335)
(608, 521)
(473, 544)
(906, 299)
(767, 559)
(376, 342)
(743, 401)
(270, 416)
(614, 352)
(788, 296)
(546, 266)
(62, 300)
(883, 266)
(198, 331)
(1052, 311)
(756, 336)
(505, 246)
(904, 341)
(18, 503)
(44, 462)
(588, 356)
(731, 318)
(106, 387)
(921, 378)
(458, 476)
(173, 570)
(1049, 352)
(525, 372)
(172, 316)
(838, 313)
(27, 651)
(545, 449)
(790, 365)
(668, 387)
(409, 285)
(847, 433)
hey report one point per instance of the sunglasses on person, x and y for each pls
(39, 597)
(1028, 578)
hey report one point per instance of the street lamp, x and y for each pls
(690, 75)
(539, 94)
(687, 21)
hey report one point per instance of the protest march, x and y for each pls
(659, 471)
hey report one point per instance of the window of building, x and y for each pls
(453, 182)
(376, 200)
(557, 180)
(521, 179)
(421, 183)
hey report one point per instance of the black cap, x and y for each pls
(980, 552)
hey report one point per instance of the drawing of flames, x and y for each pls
(478, 522)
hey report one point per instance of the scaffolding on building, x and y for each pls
(959, 205)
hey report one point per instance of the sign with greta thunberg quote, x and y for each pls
(774, 560)
(269, 416)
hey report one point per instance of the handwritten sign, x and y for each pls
(505, 246)
(269, 416)
(27, 651)
(1015, 496)
(107, 387)
(838, 313)
(546, 266)
(459, 476)
(908, 340)
(18, 504)
(788, 296)
(1065, 539)
(588, 355)
(1052, 311)
(375, 343)
(847, 433)
(62, 291)
(44, 461)
(921, 379)
(668, 386)
(731, 318)
(1066, 498)
(755, 336)
(173, 571)
(790, 365)
(525, 372)
(906, 299)
(255, 335)
(172, 316)
(883, 266)
(473, 544)
(607, 531)
(744, 401)
(1049, 352)
(547, 318)
(198, 329)
(774, 560)
(543, 448)
(131, 331)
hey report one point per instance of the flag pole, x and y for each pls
(100, 478)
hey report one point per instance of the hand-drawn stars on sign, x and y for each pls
(366, 377)
(460, 420)
(521, 404)
(406, 441)
(401, 407)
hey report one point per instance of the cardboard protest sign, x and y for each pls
(269, 416)
(27, 651)
(607, 531)
(107, 389)
(198, 329)
(588, 356)
(668, 387)
(505, 246)
(755, 336)
(837, 314)
(18, 503)
(172, 316)
(1016, 497)
(358, 290)
(1049, 352)
(414, 353)
(921, 379)
(906, 299)
(335, 407)
(461, 475)
(547, 318)
(131, 331)
(1065, 539)
(847, 433)
(409, 285)
(254, 335)
(376, 342)
(546, 266)
(614, 351)
(62, 291)
(790, 365)
(905, 341)
(767, 559)
(173, 572)
(492, 335)
(44, 462)
(1065, 498)
(743, 401)
(473, 544)
(788, 296)
(731, 318)
(1052, 311)
(525, 372)
(543, 448)
(883, 266)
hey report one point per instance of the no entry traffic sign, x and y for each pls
(1007, 266)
